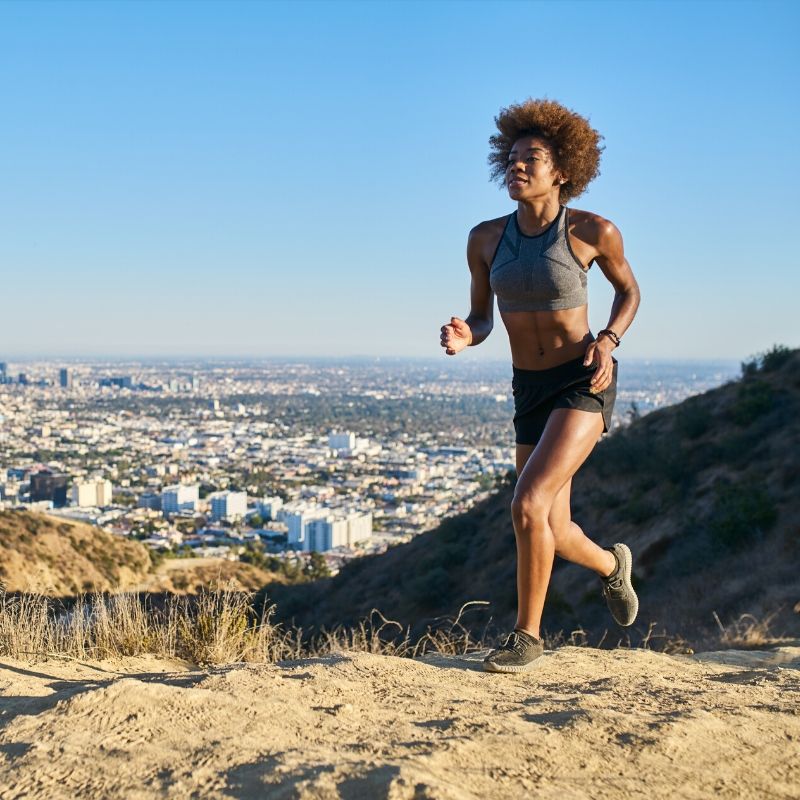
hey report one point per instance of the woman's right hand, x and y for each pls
(456, 336)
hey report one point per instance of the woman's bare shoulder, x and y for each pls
(591, 228)
(484, 239)
(489, 227)
(485, 236)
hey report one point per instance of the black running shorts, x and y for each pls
(538, 391)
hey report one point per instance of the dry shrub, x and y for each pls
(219, 626)
(748, 632)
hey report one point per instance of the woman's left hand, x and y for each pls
(599, 353)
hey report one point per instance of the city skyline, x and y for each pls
(208, 180)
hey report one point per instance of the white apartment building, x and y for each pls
(92, 494)
(269, 507)
(104, 492)
(296, 521)
(180, 497)
(341, 441)
(359, 528)
(324, 534)
(228, 505)
(327, 530)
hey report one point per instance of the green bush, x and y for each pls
(637, 508)
(768, 361)
(753, 399)
(693, 419)
(740, 514)
(433, 587)
(774, 358)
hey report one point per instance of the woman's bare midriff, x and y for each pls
(544, 339)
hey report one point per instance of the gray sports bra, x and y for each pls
(537, 273)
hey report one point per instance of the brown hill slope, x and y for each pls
(62, 558)
(705, 493)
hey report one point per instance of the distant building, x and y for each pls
(320, 534)
(359, 527)
(122, 382)
(22, 379)
(84, 495)
(46, 485)
(3, 372)
(179, 497)
(296, 522)
(104, 493)
(341, 441)
(322, 529)
(150, 500)
(65, 378)
(269, 507)
(228, 505)
(91, 494)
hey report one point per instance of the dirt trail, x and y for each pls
(586, 724)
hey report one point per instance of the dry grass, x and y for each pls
(749, 633)
(219, 626)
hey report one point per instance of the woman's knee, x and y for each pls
(530, 509)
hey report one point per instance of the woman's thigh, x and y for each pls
(523, 454)
(568, 438)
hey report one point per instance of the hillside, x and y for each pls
(61, 558)
(706, 493)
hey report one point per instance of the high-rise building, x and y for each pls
(325, 534)
(123, 382)
(90, 494)
(269, 507)
(149, 500)
(180, 497)
(341, 441)
(84, 494)
(228, 505)
(324, 529)
(65, 378)
(3, 372)
(104, 493)
(296, 521)
(47, 485)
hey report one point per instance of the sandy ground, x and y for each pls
(586, 724)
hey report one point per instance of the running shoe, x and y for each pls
(518, 653)
(617, 588)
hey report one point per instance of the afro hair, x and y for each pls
(575, 143)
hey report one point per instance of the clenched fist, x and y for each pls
(456, 336)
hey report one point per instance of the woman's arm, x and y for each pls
(460, 333)
(611, 260)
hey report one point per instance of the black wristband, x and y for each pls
(611, 335)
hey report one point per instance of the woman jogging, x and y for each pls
(535, 261)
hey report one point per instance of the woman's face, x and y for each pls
(531, 171)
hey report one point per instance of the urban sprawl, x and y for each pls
(340, 458)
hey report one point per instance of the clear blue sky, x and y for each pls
(300, 178)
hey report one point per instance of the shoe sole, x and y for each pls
(490, 667)
(626, 572)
